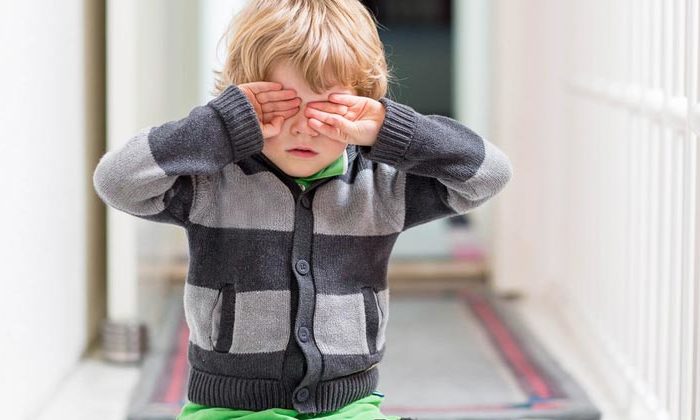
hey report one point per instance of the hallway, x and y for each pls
(587, 261)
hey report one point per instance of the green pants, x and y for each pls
(366, 408)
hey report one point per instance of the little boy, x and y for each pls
(293, 185)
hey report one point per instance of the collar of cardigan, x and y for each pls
(337, 167)
(351, 152)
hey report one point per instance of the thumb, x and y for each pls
(273, 128)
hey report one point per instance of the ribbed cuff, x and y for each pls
(395, 134)
(240, 120)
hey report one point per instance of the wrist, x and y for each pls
(395, 132)
(240, 120)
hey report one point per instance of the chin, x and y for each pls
(302, 173)
(297, 172)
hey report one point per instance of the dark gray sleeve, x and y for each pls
(448, 168)
(152, 176)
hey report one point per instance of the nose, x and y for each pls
(300, 124)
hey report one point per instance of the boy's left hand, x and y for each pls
(347, 118)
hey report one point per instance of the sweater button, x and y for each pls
(303, 334)
(302, 266)
(302, 394)
(305, 202)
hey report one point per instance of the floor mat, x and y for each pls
(449, 355)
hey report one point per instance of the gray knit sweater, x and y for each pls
(286, 296)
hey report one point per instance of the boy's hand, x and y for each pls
(272, 104)
(347, 118)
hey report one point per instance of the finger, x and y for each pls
(343, 98)
(276, 95)
(272, 128)
(258, 87)
(267, 117)
(327, 130)
(329, 107)
(334, 120)
(281, 105)
(251, 97)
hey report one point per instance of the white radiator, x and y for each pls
(618, 238)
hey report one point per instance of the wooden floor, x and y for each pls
(410, 275)
(418, 275)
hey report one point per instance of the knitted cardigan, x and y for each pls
(286, 296)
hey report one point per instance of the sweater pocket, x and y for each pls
(373, 318)
(223, 318)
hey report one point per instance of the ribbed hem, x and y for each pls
(260, 394)
(395, 134)
(334, 394)
(240, 120)
(232, 392)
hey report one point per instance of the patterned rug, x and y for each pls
(469, 358)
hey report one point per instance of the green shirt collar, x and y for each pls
(337, 167)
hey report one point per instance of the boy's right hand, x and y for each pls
(272, 104)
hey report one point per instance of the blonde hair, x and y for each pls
(329, 41)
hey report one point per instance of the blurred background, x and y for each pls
(574, 292)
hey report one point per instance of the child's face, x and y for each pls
(296, 131)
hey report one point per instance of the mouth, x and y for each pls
(302, 151)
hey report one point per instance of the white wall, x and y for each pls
(214, 16)
(529, 51)
(473, 91)
(152, 78)
(43, 147)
